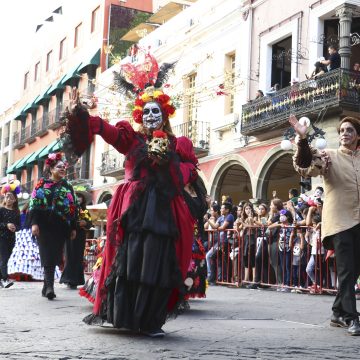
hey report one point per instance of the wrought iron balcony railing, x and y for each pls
(54, 118)
(19, 139)
(336, 90)
(78, 175)
(198, 132)
(112, 164)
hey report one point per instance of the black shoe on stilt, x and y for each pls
(49, 292)
(49, 282)
(160, 333)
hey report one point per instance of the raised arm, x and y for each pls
(307, 160)
(81, 128)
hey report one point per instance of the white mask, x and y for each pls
(152, 116)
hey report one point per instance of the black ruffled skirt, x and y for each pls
(145, 270)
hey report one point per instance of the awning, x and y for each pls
(34, 156)
(43, 96)
(11, 168)
(47, 149)
(22, 162)
(57, 86)
(166, 12)
(57, 146)
(139, 32)
(71, 74)
(27, 107)
(20, 115)
(95, 60)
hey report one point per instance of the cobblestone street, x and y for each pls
(229, 324)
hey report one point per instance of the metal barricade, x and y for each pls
(90, 255)
(277, 257)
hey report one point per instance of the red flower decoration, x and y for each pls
(137, 116)
(39, 184)
(139, 102)
(169, 109)
(159, 134)
(163, 99)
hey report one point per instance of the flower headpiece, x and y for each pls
(152, 94)
(53, 159)
(13, 187)
(145, 81)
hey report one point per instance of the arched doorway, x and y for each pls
(278, 176)
(233, 181)
(105, 197)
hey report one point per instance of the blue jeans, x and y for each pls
(285, 264)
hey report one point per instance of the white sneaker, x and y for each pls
(7, 283)
(1, 283)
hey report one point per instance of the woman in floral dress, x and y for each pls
(52, 216)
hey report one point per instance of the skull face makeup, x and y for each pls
(152, 116)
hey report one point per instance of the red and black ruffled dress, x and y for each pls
(149, 229)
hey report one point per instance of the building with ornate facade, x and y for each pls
(226, 51)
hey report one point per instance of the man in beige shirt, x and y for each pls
(340, 169)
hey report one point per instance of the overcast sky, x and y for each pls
(18, 20)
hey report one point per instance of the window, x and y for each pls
(48, 60)
(191, 110)
(26, 80)
(94, 19)
(281, 63)
(62, 49)
(77, 35)
(36, 71)
(229, 83)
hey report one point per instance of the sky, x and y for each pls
(18, 21)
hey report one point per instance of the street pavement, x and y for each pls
(229, 324)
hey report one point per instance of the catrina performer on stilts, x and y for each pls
(150, 227)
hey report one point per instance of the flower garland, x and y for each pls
(156, 95)
(53, 159)
(13, 187)
(63, 202)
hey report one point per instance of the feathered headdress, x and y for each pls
(145, 81)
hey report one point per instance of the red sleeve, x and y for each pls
(189, 162)
(81, 128)
(120, 136)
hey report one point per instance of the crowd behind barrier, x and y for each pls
(274, 258)
(91, 254)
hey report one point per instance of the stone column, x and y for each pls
(345, 13)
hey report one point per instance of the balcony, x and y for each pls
(41, 127)
(334, 91)
(30, 131)
(112, 164)
(54, 118)
(198, 132)
(78, 176)
(19, 139)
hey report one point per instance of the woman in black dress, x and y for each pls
(9, 224)
(73, 274)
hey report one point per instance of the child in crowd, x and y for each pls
(317, 254)
(286, 241)
(213, 243)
